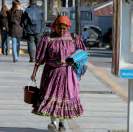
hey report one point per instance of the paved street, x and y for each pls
(104, 109)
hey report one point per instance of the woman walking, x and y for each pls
(15, 28)
(4, 29)
(59, 98)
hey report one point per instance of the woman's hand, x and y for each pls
(69, 61)
(63, 62)
(33, 77)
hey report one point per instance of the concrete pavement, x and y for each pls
(105, 107)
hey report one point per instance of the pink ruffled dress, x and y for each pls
(59, 84)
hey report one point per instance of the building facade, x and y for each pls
(104, 15)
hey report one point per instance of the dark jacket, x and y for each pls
(33, 20)
(3, 23)
(15, 19)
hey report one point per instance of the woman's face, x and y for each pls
(61, 29)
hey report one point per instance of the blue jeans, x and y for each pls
(5, 42)
(15, 48)
(32, 44)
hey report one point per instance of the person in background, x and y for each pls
(59, 87)
(15, 28)
(33, 22)
(4, 29)
(85, 35)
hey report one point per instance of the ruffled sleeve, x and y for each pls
(41, 51)
(79, 43)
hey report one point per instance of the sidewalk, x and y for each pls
(104, 110)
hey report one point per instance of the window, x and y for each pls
(63, 3)
(67, 3)
(64, 13)
(70, 3)
(86, 15)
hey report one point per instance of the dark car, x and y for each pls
(95, 36)
(107, 39)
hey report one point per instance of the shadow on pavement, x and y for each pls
(15, 129)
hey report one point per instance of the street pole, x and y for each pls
(3, 2)
(45, 9)
(130, 105)
(77, 16)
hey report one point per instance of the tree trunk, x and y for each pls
(77, 15)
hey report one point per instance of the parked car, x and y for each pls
(95, 36)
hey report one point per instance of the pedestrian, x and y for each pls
(15, 28)
(85, 35)
(59, 87)
(4, 29)
(33, 22)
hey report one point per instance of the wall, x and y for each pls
(104, 22)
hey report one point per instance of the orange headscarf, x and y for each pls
(62, 20)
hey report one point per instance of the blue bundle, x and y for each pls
(79, 60)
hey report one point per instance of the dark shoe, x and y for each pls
(7, 52)
(32, 60)
(3, 53)
(34, 111)
(61, 127)
(52, 127)
(15, 61)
